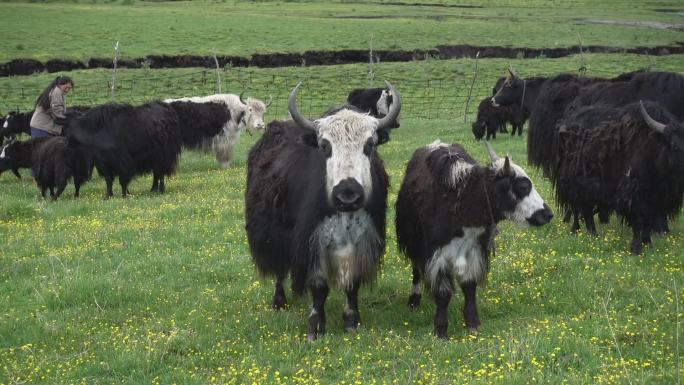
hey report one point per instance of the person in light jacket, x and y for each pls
(50, 106)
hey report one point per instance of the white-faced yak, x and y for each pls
(447, 210)
(315, 206)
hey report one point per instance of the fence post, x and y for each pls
(583, 68)
(218, 73)
(371, 75)
(116, 60)
(470, 92)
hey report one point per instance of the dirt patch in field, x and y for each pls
(635, 23)
(309, 58)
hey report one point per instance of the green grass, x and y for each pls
(161, 289)
(81, 31)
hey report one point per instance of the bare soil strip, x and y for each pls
(310, 58)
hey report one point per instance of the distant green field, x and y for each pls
(81, 31)
(160, 289)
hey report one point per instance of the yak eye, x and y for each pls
(522, 187)
(324, 145)
(369, 146)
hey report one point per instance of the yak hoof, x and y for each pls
(441, 333)
(637, 247)
(351, 319)
(414, 302)
(279, 301)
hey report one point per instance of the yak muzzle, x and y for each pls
(541, 216)
(348, 195)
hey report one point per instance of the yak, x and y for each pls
(315, 205)
(243, 114)
(447, 210)
(632, 161)
(56, 161)
(376, 101)
(127, 141)
(18, 154)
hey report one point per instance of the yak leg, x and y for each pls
(279, 298)
(350, 314)
(109, 180)
(442, 299)
(567, 216)
(443, 290)
(637, 228)
(124, 181)
(575, 221)
(319, 293)
(158, 182)
(472, 319)
(604, 215)
(60, 188)
(414, 298)
(660, 225)
(588, 215)
(42, 191)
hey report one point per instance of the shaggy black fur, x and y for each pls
(200, 121)
(431, 213)
(285, 202)
(366, 99)
(55, 162)
(129, 141)
(19, 154)
(624, 164)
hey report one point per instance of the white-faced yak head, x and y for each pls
(516, 197)
(348, 138)
(254, 113)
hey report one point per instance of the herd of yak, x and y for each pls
(316, 193)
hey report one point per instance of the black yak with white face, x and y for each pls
(15, 123)
(128, 141)
(56, 161)
(632, 161)
(18, 154)
(447, 210)
(315, 206)
(491, 119)
(376, 101)
(242, 114)
(200, 121)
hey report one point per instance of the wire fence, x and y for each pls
(430, 94)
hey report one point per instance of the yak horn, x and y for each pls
(507, 167)
(294, 111)
(270, 100)
(512, 71)
(650, 121)
(492, 154)
(394, 109)
(241, 99)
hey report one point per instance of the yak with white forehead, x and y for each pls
(315, 206)
(243, 114)
(447, 210)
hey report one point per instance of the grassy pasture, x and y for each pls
(90, 29)
(161, 289)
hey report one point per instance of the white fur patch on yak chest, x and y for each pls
(462, 257)
(348, 249)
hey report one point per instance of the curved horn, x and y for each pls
(492, 154)
(512, 71)
(654, 124)
(294, 111)
(394, 109)
(507, 167)
(270, 100)
(241, 99)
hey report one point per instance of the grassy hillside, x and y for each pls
(81, 31)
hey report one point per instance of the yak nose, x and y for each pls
(541, 216)
(348, 195)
